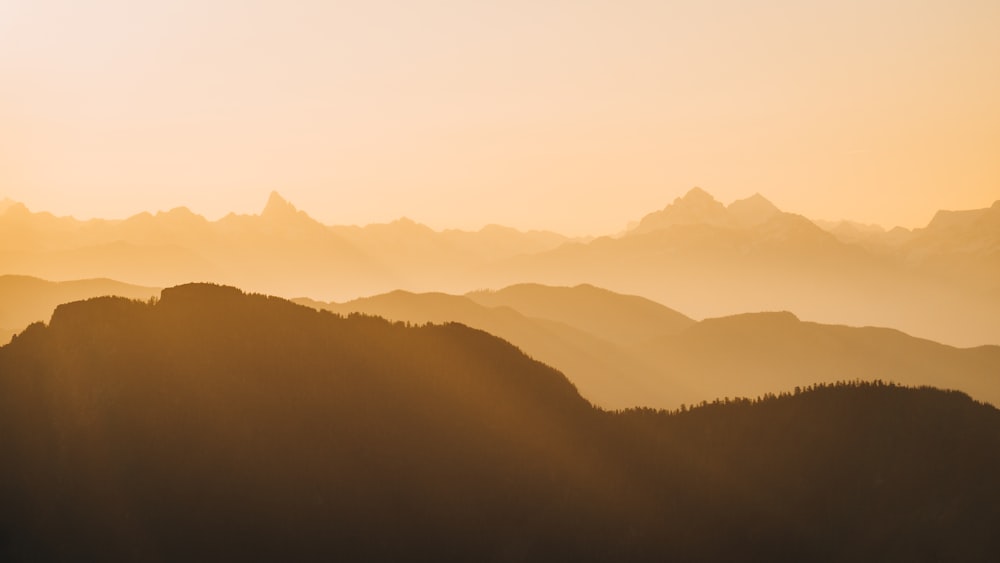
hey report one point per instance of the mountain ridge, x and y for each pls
(212, 424)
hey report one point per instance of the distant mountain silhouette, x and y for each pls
(749, 354)
(604, 371)
(941, 282)
(624, 351)
(281, 250)
(754, 210)
(710, 261)
(625, 320)
(214, 425)
(697, 207)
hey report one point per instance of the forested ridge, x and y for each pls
(215, 425)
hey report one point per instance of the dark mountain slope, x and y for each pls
(214, 425)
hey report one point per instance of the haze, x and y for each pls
(570, 116)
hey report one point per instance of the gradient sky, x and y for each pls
(577, 116)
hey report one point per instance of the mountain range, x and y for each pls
(940, 282)
(210, 424)
(625, 351)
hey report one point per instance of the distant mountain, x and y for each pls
(624, 351)
(697, 207)
(710, 260)
(754, 210)
(941, 282)
(282, 250)
(6, 203)
(213, 425)
(750, 354)
(25, 300)
(603, 369)
(625, 320)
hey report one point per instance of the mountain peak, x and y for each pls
(696, 195)
(277, 206)
(751, 211)
(12, 208)
(696, 207)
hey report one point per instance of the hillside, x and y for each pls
(751, 354)
(213, 425)
(625, 320)
(603, 371)
(625, 351)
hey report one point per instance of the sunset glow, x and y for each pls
(571, 116)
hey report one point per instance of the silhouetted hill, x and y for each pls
(625, 320)
(624, 351)
(602, 370)
(281, 250)
(754, 210)
(213, 425)
(940, 282)
(697, 207)
(751, 354)
(24, 299)
(709, 261)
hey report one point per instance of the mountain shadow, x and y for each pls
(214, 425)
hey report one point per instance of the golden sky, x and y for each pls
(577, 116)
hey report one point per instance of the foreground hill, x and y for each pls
(214, 425)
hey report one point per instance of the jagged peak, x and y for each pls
(277, 206)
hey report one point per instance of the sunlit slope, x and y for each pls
(603, 371)
(626, 320)
(624, 351)
(214, 425)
